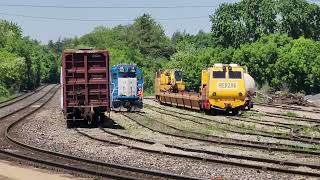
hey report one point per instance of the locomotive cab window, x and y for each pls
(127, 74)
(235, 75)
(219, 74)
(178, 75)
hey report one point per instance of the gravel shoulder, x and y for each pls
(47, 129)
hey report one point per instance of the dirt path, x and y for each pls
(8, 171)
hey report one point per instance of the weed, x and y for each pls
(2, 98)
(251, 114)
(211, 129)
(291, 114)
(252, 127)
(316, 147)
(258, 138)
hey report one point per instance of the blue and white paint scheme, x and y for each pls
(126, 88)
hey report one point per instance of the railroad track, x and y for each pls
(288, 167)
(279, 115)
(9, 110)
(262, 133)
(228, 141)
(287, 107)
(253, 120)
(276, 123)
(20, 97)
(16, 149)
(283, 116)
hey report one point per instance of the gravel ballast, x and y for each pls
(47, 129)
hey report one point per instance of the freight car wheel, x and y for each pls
(210, 112)
(70, 124)
(100, 121)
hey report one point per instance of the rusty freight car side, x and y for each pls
(85, 83)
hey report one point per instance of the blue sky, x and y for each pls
(45, 30)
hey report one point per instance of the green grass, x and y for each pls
(210, 129)
(5, 98)
(291, 114)
(309, 131)
(250, 114)
(316, 147)
(251, 127)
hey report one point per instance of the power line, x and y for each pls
(98, 20)
(108, 7)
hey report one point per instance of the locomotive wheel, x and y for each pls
(235, 112)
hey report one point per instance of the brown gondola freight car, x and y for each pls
(85, 81)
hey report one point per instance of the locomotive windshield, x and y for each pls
(235, 75)
(178, 75)
(127, 74)
(219, 74)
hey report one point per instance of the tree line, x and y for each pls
(278, 40)
(24, 62)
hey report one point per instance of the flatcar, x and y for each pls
(85, 90)
(224, 87)
(126, 88)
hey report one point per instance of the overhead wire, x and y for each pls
(97, 20)
(108, 7)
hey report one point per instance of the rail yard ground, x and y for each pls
(10, 171)
(251, 146)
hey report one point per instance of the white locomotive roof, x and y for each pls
(218, 65)
(234, 65)
(221, 65)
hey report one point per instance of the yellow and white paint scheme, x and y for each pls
(223, 86)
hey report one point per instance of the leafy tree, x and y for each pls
(24, 63)
(148, 36)
(299, 18)
(297, 66)
(228, 28)
(261, 56)
(248, 20)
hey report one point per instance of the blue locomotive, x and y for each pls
(126, 88)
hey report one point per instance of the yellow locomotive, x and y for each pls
(223, 88)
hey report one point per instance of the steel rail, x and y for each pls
(287, 107)
(288, 163)
(280, 124)
(305, 139)
(46, 162)
(241, 164)
(236, 142)
(279, 115)
(79, 169)
(26, 106)
(20, 97)
(249, 119)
